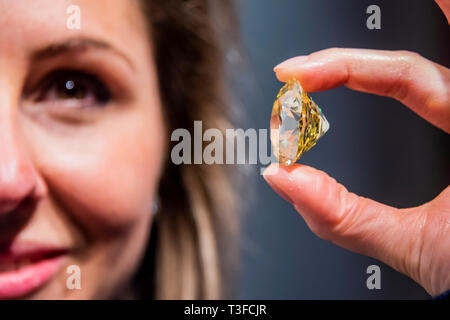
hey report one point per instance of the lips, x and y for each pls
(25, 268)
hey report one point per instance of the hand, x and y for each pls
(414, 241)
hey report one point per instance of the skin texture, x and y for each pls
(415, 241)
(90, 171)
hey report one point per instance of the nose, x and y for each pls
(19, 180)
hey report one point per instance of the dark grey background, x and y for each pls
(376, 147)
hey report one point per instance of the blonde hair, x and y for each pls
(196, 226)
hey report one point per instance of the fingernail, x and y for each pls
(272, 169)
(274, 186)
(290, 62)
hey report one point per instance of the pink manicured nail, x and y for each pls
(274, 186)
(291, 62)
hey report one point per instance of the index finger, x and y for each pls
(420, 84)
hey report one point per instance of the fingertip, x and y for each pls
(309, 189)
(285, 75)
(279, 171)
(314, 76)
(270, 170)
(314, 194)
(290, 68)
(291, 62)
(285, 180)
(275, 177)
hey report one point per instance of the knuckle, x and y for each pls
(409, 56)
(321, 225)
(333, 191)
(321, 180)
(406, 60)
(350, 208)
(334, 51)
(404, 64)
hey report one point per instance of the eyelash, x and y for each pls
(79, 87)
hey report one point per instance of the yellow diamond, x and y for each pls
(296, 123)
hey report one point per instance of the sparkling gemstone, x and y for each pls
(296, 123)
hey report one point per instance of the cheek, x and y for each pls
(105, 174)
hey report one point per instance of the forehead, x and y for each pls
(27, 25)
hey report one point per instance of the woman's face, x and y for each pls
(81, 145)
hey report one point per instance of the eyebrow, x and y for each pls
(59, 48)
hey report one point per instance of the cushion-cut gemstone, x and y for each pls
(296, 123)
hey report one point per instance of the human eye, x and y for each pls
(71, 89)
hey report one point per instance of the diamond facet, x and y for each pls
(296, 123)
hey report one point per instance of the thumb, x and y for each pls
(353, 222)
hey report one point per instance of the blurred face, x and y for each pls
(81, 144)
